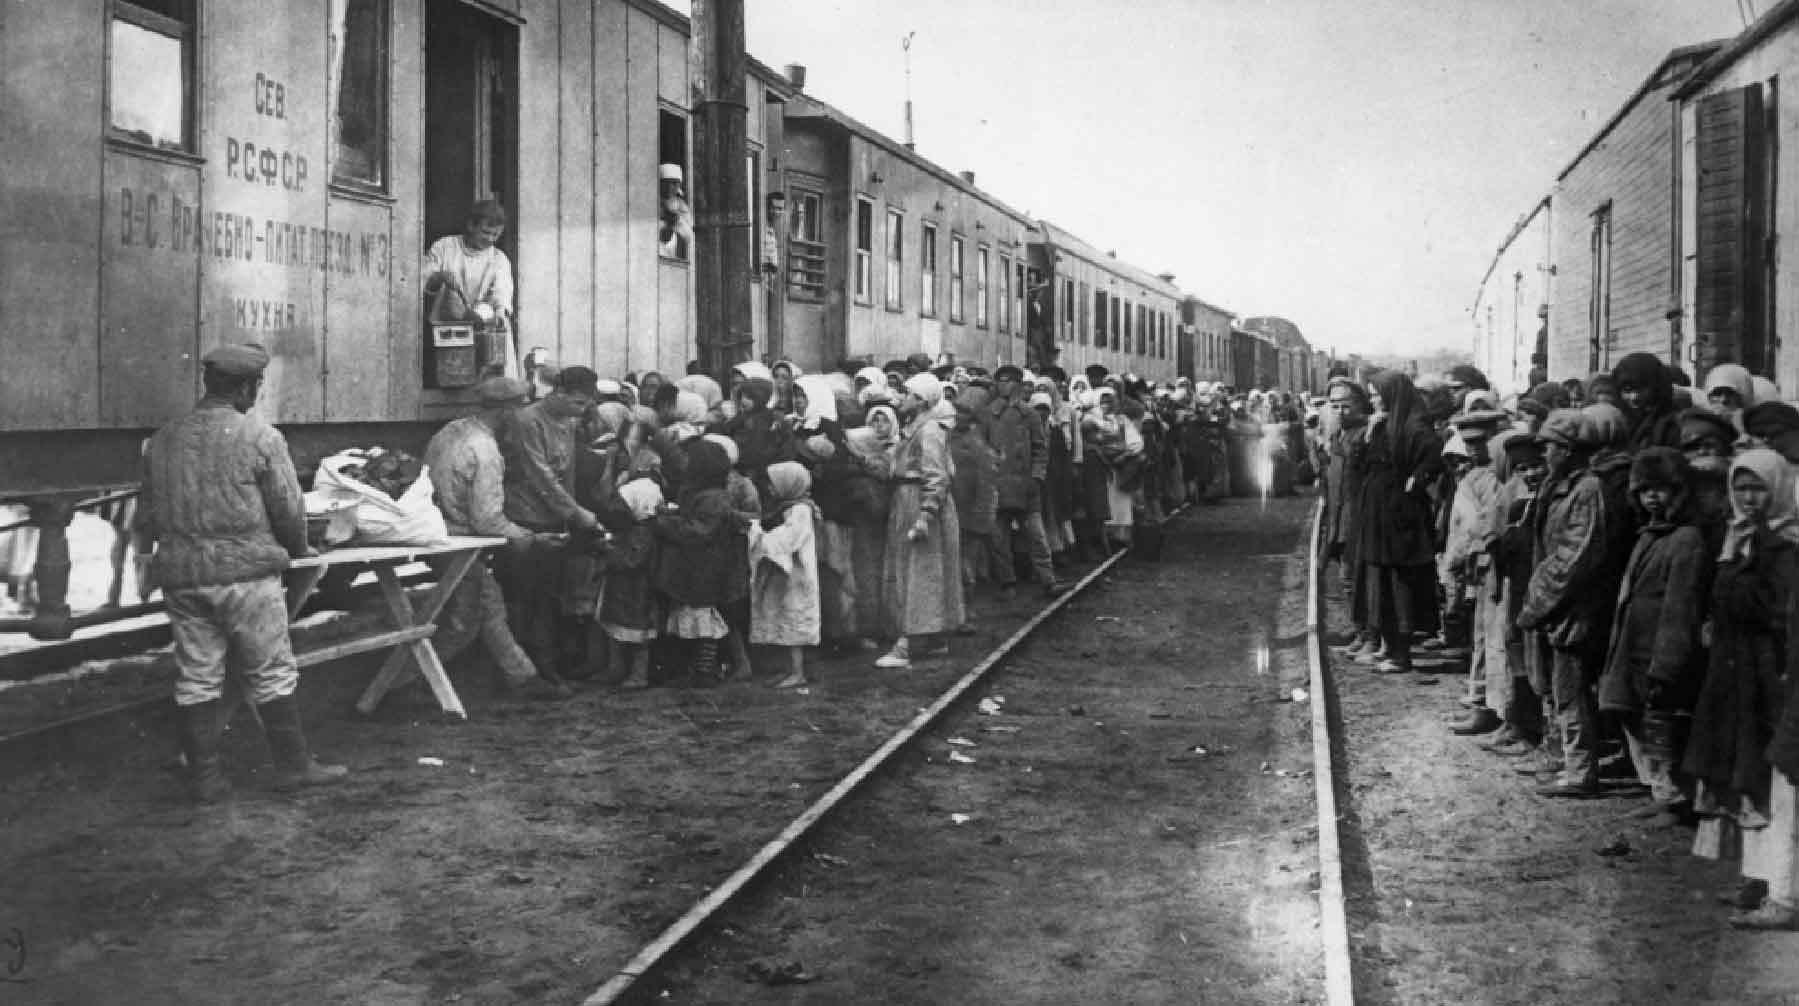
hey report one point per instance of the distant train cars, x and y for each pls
(183, 174)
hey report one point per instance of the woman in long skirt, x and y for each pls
(922, 574)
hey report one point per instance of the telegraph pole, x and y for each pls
(722, 214)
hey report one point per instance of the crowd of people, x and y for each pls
(678, 533)
(661, 529)
(1613, 559)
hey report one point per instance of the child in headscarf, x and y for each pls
(746, 502)
(703, 564)
(784, 583)
(629, 613)
(1740, 798)
(763, 438)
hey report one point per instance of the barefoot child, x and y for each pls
(784, 570)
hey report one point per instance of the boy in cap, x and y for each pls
(222, 502)
(1464, 565)
(1656, 659)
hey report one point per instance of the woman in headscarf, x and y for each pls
(1741, 799)
(783, 373)
(870, 382)
(1646, 391)
(1729, 389)
(922, 575)
(884, 421)
(784, 584)
(1115, 443)
(1396, 537)
(707, 389)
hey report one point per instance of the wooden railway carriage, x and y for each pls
(1098, 309)
(890, 254)
(186, 173)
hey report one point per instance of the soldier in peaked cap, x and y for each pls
(221, 500)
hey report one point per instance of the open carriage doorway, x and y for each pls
(471, 118)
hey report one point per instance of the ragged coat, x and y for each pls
(1662, 603)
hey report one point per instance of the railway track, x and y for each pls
(628, 985)
(633, 981)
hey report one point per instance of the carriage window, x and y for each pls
(1005, 292)
(1069, 304)
(927, 270)
(805, 246)
(152, 78)
(896, 258)
(981, 259)
(359, 92)
(956, 263)
(674, 235)
(865, 250)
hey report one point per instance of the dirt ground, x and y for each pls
(554, 839)
(1103, 859)
(1466, 887)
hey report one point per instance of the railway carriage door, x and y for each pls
(1733, 227)
(471, 119)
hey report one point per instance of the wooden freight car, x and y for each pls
(183, 174)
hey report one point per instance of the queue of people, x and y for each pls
(659, 530)
(1612, 562)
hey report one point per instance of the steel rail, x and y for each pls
(658, 950)
(1333, 922)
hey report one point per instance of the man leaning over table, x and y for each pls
(468, 478)
(222, 503)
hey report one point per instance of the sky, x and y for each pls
(1350, 165)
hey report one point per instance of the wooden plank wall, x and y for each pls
(50, 72)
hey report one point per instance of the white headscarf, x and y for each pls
(749, 369)
(927, 387)
(821, 399)
(725, 444)
(642, 496)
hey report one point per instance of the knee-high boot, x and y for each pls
(200, 726)
(294, 764)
